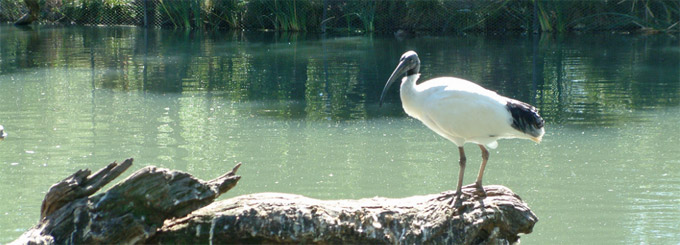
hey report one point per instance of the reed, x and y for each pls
(81, 11)
(181, 14)
(368, 15)
(292, 15)
(352, 16)
(563, 16)
(224, 13)
(364, 11)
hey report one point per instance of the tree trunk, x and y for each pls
(163, 206)
(32, 15)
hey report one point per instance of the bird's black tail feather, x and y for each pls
(525, 117)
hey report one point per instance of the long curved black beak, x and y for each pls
(401, 68)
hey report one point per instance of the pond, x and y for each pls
(300, 111)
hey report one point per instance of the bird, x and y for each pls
(2, 132)
(463, 112)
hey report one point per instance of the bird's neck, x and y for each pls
(408, 89)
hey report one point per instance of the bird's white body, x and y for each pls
(459, 110)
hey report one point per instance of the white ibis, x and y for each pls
(462, 111)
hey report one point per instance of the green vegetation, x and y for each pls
(561, 16)
(364, 15)
(11, 10)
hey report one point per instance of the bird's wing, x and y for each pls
(457, 108)
(467, 113)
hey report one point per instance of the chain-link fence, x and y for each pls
(362, 15)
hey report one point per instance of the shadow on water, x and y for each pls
(573, 80)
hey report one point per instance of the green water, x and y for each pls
(300, 112)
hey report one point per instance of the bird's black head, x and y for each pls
(409, 64)
(410, 61)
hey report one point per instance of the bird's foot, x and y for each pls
(456, 199)
(479, 189)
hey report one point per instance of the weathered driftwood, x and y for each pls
(496, 218)
(80, 184)
(128, 212)
(162, 206)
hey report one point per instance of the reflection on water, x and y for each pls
(300, 111)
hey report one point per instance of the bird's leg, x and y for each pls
(461, 171)
(485, 158)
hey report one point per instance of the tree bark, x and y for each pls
(129, 212)
(156, 205)
(497, 218)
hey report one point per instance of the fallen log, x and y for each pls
(496, 218)
(157, 205)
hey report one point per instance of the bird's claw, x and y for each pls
(456, 199)
(479, 191)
